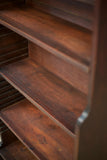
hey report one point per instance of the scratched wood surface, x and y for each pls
(48, 92)
(13, 47)
(16, 151)
(78, 12)
(30, 23)
(41, 135)
(67, 71)
(66, 47)
(8, 94)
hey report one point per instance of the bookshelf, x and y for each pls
(52, 72)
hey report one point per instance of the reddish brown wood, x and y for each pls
(48, 92)
(13, 47)
(92, 135)
(61, 49)
(47, 31)
(41, 135)
(72, 11)
(70, 73)
(16, 151)
(8, 95)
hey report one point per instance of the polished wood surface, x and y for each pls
(50, 94)
(77, 12)
(53, 79)
(43, 137)
(93, 130)
(70, 73)
(47, 31)
(13, 47)
(8, 94)
(16, 151)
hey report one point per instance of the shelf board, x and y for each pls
(8, 94)
(59, 37)
(12, 46)
(40, 134)
(56, 98)
(77, 12)
(16, 151)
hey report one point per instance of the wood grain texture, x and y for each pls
(55, 35)
(93, 131)
(8, 94)
(41, 135)
(70, 73)
(16, 151)
(13, 47)
(70, 10)
(48, 92)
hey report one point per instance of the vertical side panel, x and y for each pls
(91, 143)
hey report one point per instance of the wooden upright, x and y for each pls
(53, 80)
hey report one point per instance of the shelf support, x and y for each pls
(92, 128)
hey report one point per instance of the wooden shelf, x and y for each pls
(48, 92)
(40, 134)
(80, 13)
(73, 75)
(8, 94)
(12, 46)
(16, 151)
(48, 31)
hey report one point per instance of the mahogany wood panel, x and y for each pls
(63, 45)
(48, 92)
(8, 95)
(16, 151)
(92, 133)
(71, 10)
(70, 73)
(55, 35)
(41, 135)
(12, 46)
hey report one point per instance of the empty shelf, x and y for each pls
(40, 134)
(78, 12)
(53, 34)
(16, 151)
(48, 92)
(8, 94)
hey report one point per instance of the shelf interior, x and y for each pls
(45, 58)
(13, 47)
(78, 12)
(49, 93)
(40, 134)
(66, 71)
(8, 94)
(59, 37)
(16, 151)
